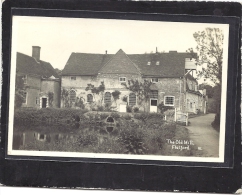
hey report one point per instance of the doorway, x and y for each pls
(44, 102)
(153, 105)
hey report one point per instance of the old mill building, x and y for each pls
(171, 75)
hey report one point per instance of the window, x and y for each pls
(148, 63)
(196, 88)
(154, 80)
(132, 99)
(25, 79)
(36, 100)
(169, 100)
(158, 63)
(89, 98)
(107, 97)
(72, 96)
(24, 93)
(73, 78)
(122, 79)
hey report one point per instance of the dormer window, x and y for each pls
(158, 63)
(122, 79)
(148, 63)
(154, 80)
(73, 78)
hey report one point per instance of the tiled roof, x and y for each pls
(28, 65)
(85, 64)
(120, 63)
(170, 64)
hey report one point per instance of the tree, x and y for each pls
(97, 90)
(210, 58)
(58, 71)
(141, 89)
(209, 53)
(209, 89)
(19, 91)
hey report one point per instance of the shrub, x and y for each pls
(143, 116)
(103, 116)
(133, 140)
(94, 109)
(80, 103)
(162, 107)
(136, 109)
(88, 139)
(100, 108)
(107, 106)
(115, 115)
(125, 98)
(129, 109)
(48, 115)
(216, 123)
(127, 117)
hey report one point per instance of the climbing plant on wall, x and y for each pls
(51, 98)
(96, 90)
(65, 98)
(141, 89)
(116, 95)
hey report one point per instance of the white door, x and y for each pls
(153, 105)
(122, 108)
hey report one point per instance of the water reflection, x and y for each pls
(24, 135)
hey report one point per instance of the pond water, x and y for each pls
(28, 134)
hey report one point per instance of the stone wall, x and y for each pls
(166, 87)
(32, 89)
(52, 86)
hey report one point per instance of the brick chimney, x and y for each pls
(36, 52)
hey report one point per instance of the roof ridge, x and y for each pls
(120, 50)
(133, 63)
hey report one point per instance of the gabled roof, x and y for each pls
(170, 64)
(28, 65)
(85, 64)
(120, 64)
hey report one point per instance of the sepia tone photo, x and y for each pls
(120, 89)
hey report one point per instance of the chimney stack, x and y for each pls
(106, 52)
(156, 50)
(36, 52)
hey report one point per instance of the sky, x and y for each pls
(59, 37)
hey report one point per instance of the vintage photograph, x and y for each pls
(120, 89)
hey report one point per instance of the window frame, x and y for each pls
(26, 97)
(165, 104)
(157, 63)
(25, 79)
(122, 78)
(148, 63)
(70, 96)
(154, 81)
(88, 99)
(135, 99)
(104, 100)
